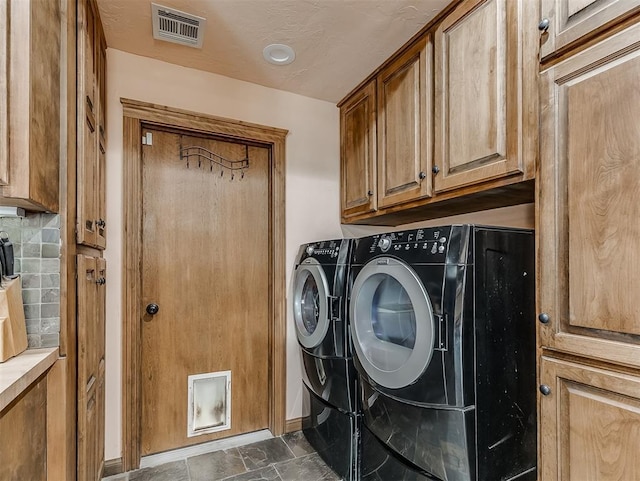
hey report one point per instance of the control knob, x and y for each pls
(309, 250)
(384, 243)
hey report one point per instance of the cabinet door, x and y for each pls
(589, 423)
(404, 126)
(88, 349)
(87, 126)
(91, 365)
(87, 176)
(89, 467)
(481, 58)
(100, 191)
(358, 152)
(572, 20)
(91, 140)
(32, 55)
(589, 201)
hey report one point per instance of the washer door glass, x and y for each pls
(391, 323)
(310, 309)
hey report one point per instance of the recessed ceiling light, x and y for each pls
(279, 54)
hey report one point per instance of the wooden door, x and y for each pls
(589, 423)
(479, 64)
(358, 152)
(206, 264)
(404, 126)
(573, 20)
(589, 203)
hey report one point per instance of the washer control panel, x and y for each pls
(325, 252)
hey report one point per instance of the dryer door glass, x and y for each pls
(310, 305)
(392, 323)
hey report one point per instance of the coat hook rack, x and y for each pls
(214, 160)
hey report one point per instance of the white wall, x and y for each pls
(513, 216)
(312, 182)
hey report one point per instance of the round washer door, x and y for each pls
(392, 324)
(310, 306)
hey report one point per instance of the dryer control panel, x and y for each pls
(438, 245)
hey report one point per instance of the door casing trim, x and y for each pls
(136, 113)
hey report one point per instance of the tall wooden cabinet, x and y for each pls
(91, 224)
(91, 366)
(589, 250)
(91, 239)
(30, 104)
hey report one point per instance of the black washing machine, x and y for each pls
(331, 403)
(442, 322)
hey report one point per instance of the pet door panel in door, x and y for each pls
(209, 403)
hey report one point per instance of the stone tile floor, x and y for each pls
(287, 458)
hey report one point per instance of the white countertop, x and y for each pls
(20, 371)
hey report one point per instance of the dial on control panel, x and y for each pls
(384, 243)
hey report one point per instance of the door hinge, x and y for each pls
(147, 139)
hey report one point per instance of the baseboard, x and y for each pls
(292, 425)
(112, 467)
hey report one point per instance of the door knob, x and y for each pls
(153, 309)
(543, 26)
(435, 169)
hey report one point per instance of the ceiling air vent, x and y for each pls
(176, 26)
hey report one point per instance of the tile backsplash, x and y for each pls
(36, 245)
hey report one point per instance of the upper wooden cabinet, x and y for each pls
(591, 420)
(30, 105)
(589, 201)
(481, 112)
(358, 151)
(91, 168)
(404, 126)
(457, 119)
(564, 22)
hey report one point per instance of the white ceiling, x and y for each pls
(337, 42)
